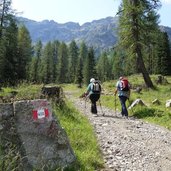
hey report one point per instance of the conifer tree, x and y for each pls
(35, 68)
(79, 73)
(47, 64)
(5, 15)
(10, 64)
(24, 53)
(63, 64)
(55, 52)
(163, 55)
(89, 69)
(133, 28)
(83, 51)
(103, 68)
(73, 56)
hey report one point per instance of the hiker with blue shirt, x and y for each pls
(93, 92)
(123, 91)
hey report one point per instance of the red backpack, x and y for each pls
(124, 85)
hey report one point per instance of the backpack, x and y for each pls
(124, 85)
(96, 88)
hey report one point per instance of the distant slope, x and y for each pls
(101, 34)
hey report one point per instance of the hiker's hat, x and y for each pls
(120, 78)
(92, 80)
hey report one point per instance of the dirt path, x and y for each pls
(128, 144)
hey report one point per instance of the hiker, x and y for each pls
(93, 92)
(123, 90)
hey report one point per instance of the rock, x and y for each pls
(156, 101)
(137, 102)
(168, 103)
(31, 126)
(138, 89)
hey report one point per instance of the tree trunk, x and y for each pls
(143, 70)
(137, 46)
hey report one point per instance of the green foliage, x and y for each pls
(103, 68)
(90, 64)
(164, 55)
(73, 55)
(10, 63)
(35, 66)
(24, 53)
(63, 64)
(47, 64)
(137, 24)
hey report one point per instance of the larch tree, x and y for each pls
(79, 72)
(55, 53)
(73, 56)
(35, 67)
(24, 53)
(163, 55)
(47, 64)
(90, 66)
(5, 14)
(63, 63)
(133, 28)
(83, 53)
(103, 69)
(10, 64)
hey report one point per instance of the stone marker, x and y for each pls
(44, 141)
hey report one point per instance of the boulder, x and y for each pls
(156, 102)
(168, 103)
(137, 102)
(41, 141)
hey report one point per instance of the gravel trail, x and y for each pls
(128, 144)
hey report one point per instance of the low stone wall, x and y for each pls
(43, 143)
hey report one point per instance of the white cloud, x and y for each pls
(166, 1)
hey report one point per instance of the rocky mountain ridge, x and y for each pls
(101, 34)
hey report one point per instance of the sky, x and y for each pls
(80, 11)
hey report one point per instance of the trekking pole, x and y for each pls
(115, 104)
(101, 108)
(85, 103)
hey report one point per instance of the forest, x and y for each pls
(142, 52)
(142, 48)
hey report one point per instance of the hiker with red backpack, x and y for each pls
(123, 90)
(93, 92)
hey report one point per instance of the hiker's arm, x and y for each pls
(88, 90)
(116, 90)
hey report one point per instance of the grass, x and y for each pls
(157, 114)
(81, 135)
(80, 132)
(82, 138)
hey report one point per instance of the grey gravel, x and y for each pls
(128, 144)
